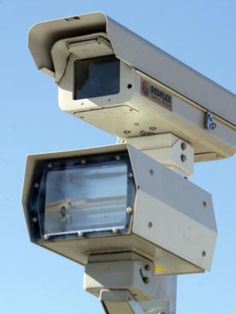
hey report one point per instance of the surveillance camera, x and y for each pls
(119, 82)
(94, 203)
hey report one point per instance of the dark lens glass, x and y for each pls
(96, 77)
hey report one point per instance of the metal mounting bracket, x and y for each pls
(209, 121)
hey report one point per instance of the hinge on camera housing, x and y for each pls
(208, 121)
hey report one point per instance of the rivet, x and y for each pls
(35, 219)
(151, 172)
(127, 132)
(129, 210)
(115, 230)
(147, 267)
(46, 237)
(80, 234)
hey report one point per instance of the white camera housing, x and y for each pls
(157, 94)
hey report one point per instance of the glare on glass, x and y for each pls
(85, 199)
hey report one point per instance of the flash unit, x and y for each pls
(81, 196)
(116, 199)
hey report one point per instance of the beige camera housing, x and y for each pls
(157, 93)
(172, 220)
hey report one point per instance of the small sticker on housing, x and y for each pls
(156, 94)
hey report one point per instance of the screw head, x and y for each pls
(126, 132)
(46, 237)
(80, 234)
(183, 157)
(35, 219)
(147, 267)
(129, 210)
(115, 230)
(204, 253)
(151, 172)
(152, 128)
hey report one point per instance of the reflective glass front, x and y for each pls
(88, 198)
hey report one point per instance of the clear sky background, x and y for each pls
(202, 34)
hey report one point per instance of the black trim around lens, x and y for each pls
(96, 77)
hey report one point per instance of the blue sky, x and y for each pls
(201, 34)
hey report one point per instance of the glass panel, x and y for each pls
(97, 77)
(86, 198)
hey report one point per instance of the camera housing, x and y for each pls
(119, 82)
(105, 202)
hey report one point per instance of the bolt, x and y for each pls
(129, 210)
(204, 203)
(130, 175)
(50, 165)
(63, 211)
(127, 132)
(46, 237)
(152, 128)
(80, 234)
(151, 172)
(204, 253)
(36, 185)
(150, 224)
(35, 219)
(183, 146)
(83, 161)
(117, 157)
(183, 157)
(115, 230)
(147, 267)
